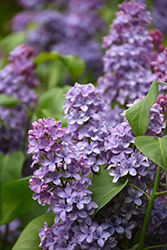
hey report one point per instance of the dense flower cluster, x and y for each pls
(157, 39)
(127, 63)
(62, 181)
(18, 80)
(160, 66)
(71, 31)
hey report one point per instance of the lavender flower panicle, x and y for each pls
(18, 80)
(62, 182)
(126, 62)
(133, 59)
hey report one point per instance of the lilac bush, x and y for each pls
(101, 178)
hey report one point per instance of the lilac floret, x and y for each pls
(51, 161)
(128, 166)
(101, 236)
(86, 233)
(134, 196)
(81, 200)
(67, 194)
(61, 209)
(115, 226)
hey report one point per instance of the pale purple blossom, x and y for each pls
(134, 196)
(101, 236)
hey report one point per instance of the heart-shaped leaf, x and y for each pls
(50, 104)
(10, 167)
(16, 199)
(103, 189)
(73, 63)
(46, 56)
(12, 40)
(35, 211)
(8, 100)
(138, 115)
(29, 239)
(154, 148)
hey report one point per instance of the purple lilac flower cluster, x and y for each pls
(18, 80)
(71, 31)
(126, 63)
(62, 181)
(51, 29)
(157, 39)
(160, 66)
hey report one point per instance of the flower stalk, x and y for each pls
(149, 208)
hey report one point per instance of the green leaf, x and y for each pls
(12, 40)
(74, 64)
(138, 115)
(103, 189)
(154, 148)
(35, 211)
(10, 167)
(57, 71)
(46, 56)
(16, 199)
(29, 239)
(51, 104)
(8, 100)
(3, 123)
(52, 74)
